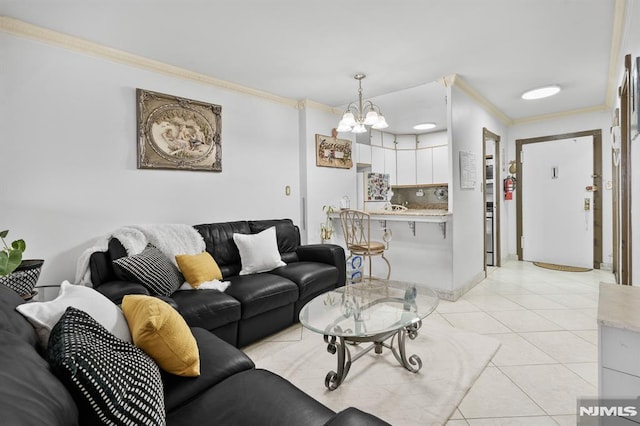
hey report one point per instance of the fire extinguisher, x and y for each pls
(509, 186)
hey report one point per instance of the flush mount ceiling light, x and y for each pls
(359, 115)
(424, 126)
(541, 92)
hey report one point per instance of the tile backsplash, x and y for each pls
(410, 197)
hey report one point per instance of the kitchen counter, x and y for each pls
(618, 307)
(411, 216)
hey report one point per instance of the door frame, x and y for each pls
(497, 188)
(597, 181)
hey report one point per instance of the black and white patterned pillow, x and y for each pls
(152, 269)
(112, 381)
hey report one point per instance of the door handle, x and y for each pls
(591, 188)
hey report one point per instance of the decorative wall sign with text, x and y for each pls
(332, 152)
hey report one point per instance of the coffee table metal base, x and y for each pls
(337, 345)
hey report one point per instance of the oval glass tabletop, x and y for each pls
(368, 309)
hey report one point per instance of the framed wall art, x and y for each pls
(333, 152)
(178, 133)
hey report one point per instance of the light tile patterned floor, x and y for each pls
(546, 322)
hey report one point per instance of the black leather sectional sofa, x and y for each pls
(229, 390)
(253, 306)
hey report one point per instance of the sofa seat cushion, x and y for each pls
(311, 277)
(262, 292)
(267, 399)
(208, 309)
(220, 360)
(30, 394)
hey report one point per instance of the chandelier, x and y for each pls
(362, 114)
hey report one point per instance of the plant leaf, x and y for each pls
(3, 234)
(9, 261)
(19, 245)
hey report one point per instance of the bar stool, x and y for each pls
(356, 228)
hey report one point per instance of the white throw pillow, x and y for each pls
(258, 252)
(44, 315)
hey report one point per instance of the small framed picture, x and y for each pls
(333, 152)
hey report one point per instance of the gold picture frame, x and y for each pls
(333, 152)
(178, 133)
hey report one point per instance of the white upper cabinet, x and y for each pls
(424, 166)
(377, 159)
(363, 153)
(406, 161)
(390, 165)
(441, 164)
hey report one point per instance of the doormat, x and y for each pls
(561, 267)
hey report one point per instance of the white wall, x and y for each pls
(68, 149)
(631, 44)
(570, 124)
(324, 185)
(467, 121)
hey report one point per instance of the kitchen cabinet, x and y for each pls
(363, 153)
(390, 165)
(377, 159)
(618, 341)
(406, 166)
(424, 166)
(441, 164)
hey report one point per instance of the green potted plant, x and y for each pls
(326, 229)
(10, 256)
(18, 274)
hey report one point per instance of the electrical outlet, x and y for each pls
(419, 193)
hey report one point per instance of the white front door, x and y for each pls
(557, 227)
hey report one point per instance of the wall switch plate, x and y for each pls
(287, 190)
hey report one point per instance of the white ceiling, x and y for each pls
(311, 49)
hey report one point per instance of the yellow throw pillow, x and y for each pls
(163, 334)
(198, 268)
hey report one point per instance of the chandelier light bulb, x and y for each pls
(381, 124)
(359, 128)
(371, 118)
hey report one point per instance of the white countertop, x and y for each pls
(619, 306)
(410, 215)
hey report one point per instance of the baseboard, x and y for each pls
(454, 295)
(606, 266)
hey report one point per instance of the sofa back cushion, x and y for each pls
(287, 234)
(218, 239)
(30, 394)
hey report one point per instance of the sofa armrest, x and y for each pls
(218, 361)
(331, 254)
(116, 290)
(354, 417)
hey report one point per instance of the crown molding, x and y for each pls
(558, 115)
(459, 82)
(308, 103)
(22, 29)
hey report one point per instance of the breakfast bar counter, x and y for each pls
(418, 251)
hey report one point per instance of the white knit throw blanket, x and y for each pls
(170, 239)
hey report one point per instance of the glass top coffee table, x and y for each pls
(380, 312)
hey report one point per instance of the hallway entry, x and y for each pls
(559, 203)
